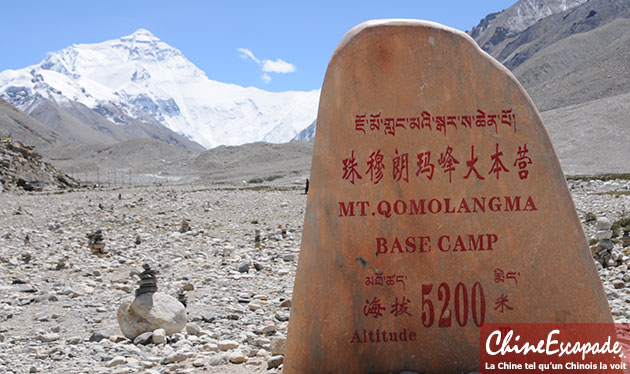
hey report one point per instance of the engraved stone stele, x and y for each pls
(436, 204)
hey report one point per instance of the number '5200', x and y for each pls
(462, 303)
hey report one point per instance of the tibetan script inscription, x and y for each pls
(436, 202)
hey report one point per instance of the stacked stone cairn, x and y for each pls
(151, 315)
(257, 238)
(148, 281)
(605, 252)
(95, 242)
(185, 226)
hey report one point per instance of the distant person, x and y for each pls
(306, 187)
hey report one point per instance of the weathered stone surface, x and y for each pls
(144, 338)
(149, 312)
(603, 223)
(278, 345)
(274, 361)
(225, 345)
(436, 202)
(237, 357)
(51, 337)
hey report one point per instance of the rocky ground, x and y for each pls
(59, 298)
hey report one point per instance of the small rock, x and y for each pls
(605, 244)
(603, 223)
(159, 336)
(97, 336)
(192, 329)
(174, 357)
(225, 345)
(288, 257)
(210, 347)
(118, 360)
(117, 339)
(278, 345)
(254, 306)
(237, 357)
(282, 316)
(274, 361)
(207, 317)
(218, 359)
(618, 283)
(185, 226)
(73, 340)
(143, 339)
(604, 234)
(243, 267)
(50, 337)
(269, 329)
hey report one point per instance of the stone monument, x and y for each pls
(437, 204)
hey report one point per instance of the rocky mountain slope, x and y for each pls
(21, 167)
(498, 29)
(575, 66)
(142, 84)
(574, 57)
(288, 163)
(308, 133)
(19, 126)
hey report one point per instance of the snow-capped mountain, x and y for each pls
(140, 78)
(308, 133)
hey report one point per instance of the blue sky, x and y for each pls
(273, 45)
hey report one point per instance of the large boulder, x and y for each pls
(149, 312)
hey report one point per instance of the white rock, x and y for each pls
(225, 345)
(51, 337)
(174, 357)
(237, 357)
(192, 329)
(604, 234)
(210, 347)
(149, 312)
(603, 223)
(159, 336)
(118, 360)
(218, 359)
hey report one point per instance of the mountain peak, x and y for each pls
(141, 35)
(141, 78)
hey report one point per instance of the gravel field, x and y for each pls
(59, 298)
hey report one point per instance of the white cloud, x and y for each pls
(278, 66)
(246, 53)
